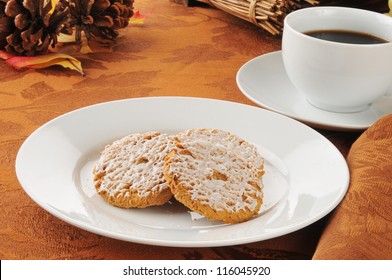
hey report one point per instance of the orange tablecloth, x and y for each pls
(180, 51)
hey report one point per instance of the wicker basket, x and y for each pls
(269, 14)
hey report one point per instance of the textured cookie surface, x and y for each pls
(129, 172)
(216, 174)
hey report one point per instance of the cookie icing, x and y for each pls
(219, 169)
(133, 165)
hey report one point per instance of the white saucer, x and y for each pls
(263, 80)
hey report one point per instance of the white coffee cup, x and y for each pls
(338, 77)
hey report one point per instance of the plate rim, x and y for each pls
(163, 242)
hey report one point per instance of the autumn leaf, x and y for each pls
(68, 45)
(54, 3)
(4, 55)
(390, 8)
(137, 18)
(42, 61)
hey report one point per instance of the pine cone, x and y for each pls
(30, 26)
(6, 25)
(99, 19)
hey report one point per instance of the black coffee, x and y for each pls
(343, 36)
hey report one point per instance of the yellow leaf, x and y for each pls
(69, 40)
(65, 38)
(137, 18)
(43, 61)
(54, 3)
(85, 49)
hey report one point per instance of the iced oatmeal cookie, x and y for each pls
(129, 172)
(216, 174)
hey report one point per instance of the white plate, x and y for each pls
(264, 81)
(306, 176)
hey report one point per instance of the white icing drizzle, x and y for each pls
(223, 171)
(134, 162)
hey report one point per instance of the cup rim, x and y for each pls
(336, 8)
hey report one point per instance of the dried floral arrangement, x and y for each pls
(33, 27)
(269, 14)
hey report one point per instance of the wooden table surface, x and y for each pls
(178, 51)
